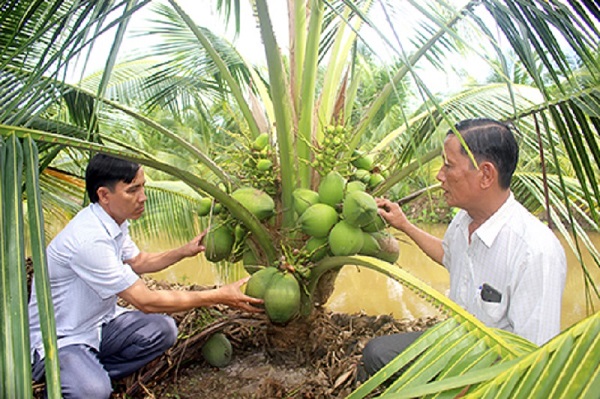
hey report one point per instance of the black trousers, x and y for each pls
(381, 350)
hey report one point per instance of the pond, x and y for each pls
(363, 290)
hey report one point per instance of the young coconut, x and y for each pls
(259, 203)
(282, 297)
(331, 188)
(370, 246)
(345, 239)
(303, 199)
(204, 206)
(218, 242)
(355, 185)
(317, 248)
(359, 208)
(217, 350)
(318, 220)
(377, 224)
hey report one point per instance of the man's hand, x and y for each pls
(392, 213)
(195, 246)
(232, 295)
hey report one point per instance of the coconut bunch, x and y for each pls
(226, 236)
(341, 219)
(367, 170)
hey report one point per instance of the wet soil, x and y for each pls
(315, 357)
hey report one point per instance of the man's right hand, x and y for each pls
(392, 213)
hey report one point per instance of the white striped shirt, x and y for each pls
(86, 271)
(520, 257)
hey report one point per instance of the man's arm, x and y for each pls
(146, 262)
(170, 301)
(431, 245)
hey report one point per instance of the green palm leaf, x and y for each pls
(14, 353)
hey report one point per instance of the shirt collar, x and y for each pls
(489, 230)
(111, 227)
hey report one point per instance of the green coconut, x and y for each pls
(331, 188)
(370, 246)
(318, 220)
(390, 250)
(260, 142)
(363, 161)
(355, 185)
(217, 350)
(363, 175)
(303, 198)
(282, 298)
(218, 242)
(204, 206)
(377, 224)
(258, 283)
(259, 203)
(345, 239)
(375, 180)
(250, 261)
(264, 164)
(317, 248)
(359, 208)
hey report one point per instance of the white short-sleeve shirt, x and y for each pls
(518, 256)
(86, 270)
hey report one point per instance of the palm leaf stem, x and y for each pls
(42, 282)
(14, 352)
(307, 93)
(283, 113)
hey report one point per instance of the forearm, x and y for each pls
(167, 301)
(154, 262)
(431, 245)
(171, 301)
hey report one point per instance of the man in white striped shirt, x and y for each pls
(91, 262)
(506, 267)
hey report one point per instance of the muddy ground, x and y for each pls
(314, 358)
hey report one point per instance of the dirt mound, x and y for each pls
(312, 358)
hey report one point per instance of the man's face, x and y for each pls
(459, 177)
(126, 200)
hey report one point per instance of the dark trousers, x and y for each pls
(129, 342)
(381, 350)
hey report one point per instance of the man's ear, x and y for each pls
(489, 174)
(102, 194)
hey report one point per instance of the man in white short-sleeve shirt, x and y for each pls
(91, 263)
(506, 267)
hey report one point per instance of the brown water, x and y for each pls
(364, 290)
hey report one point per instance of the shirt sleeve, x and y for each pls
(99, 265)
(130, 249)
(536, 301)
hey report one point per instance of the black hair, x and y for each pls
(106, 171)
(493, 141)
